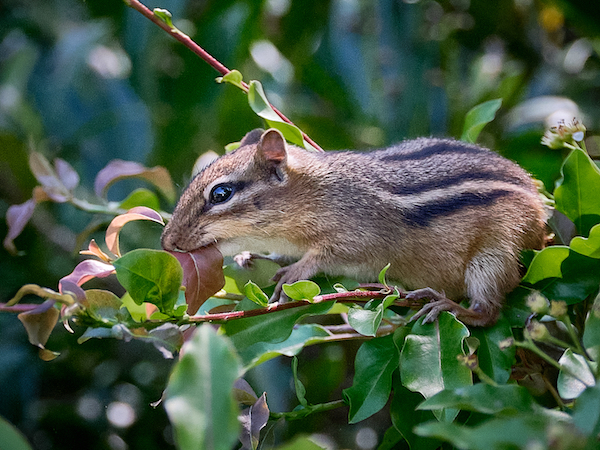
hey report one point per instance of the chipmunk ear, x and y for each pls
(252, 137)
(272, 146)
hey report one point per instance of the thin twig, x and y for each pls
(214, 63)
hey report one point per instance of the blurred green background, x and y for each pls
(91, 81)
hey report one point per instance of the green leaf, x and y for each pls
(269, 328)
(199, 396)
(141, 197)
(138, 312)
(478, 117)
(11, 438)
(103, 306)
(367, 320)
(428, 360)
(588, 246)
(261, 106)
(382, 274)
(254, 293)
(568, 385)
(302, 290)
(300, 389)
(164, 15)
(495, 363)
(562, 274)
(591, 334)
(301, 443)
(375, 362)
(234, 77)
(576, 194)
(302, 336)
(151, 276)
(519, 432)
(483, 398)
(405, 416)
(586, 412)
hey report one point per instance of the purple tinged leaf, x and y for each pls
(243, 392)
(137, 213)
(69, 287)
(17, 217)
(66, 174)
(253, 420)
(47, 177)
(85, 271)
(40, 322)
(118, 169)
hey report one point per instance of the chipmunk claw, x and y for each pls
(438, 303)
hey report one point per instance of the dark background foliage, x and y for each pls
(93, 81)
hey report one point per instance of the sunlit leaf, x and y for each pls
(86, 270)
(302, 290)
(151, 276)
(261, 106)
(254, 293)
(116, 225)
(478, 117)
(95, 250)
(375, 362)
(576, 194)
(198, 398)
(234, 77)
(588, 246)
(560, 273)
(118, 169)
(202, 275)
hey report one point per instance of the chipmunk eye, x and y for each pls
(221, 193)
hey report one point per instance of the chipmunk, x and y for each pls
(450, 217)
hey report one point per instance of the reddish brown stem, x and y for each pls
(340, 297)
(214, 63)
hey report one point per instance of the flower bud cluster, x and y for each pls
(564, 133)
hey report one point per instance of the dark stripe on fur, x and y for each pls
(439, 148)
(452, 180)
(420, 216)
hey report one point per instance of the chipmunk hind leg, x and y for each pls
(489, 275)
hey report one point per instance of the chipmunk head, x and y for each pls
(232, 201)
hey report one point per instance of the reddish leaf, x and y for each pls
(17, 217)
(243, 393)
(137, 213)
(40, 322)
(95, 250)
(85, 271)
(66, 174)
(118, 169)
(202, 275)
